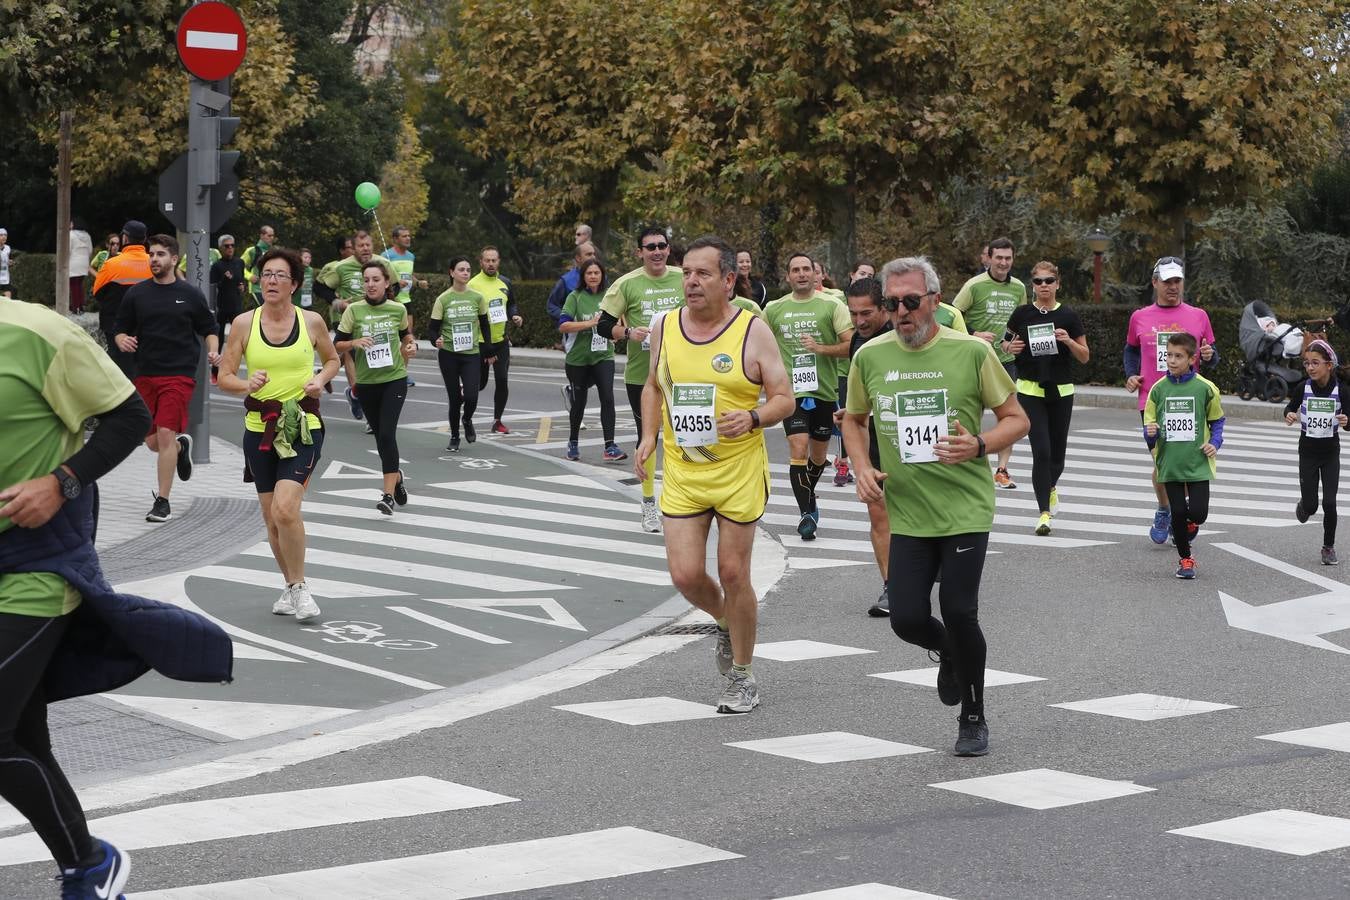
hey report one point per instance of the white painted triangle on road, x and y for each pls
(552, 612)
(450, 627)
(319, 587)
(401, 460)
(176, 824)
(319, 558)
(234, 719)
(339, 469)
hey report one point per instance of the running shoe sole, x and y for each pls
(184, 457)
(806, 528)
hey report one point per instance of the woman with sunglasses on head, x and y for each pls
(1046, 337)
(1319, 405)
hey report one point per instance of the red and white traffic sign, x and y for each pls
(211, 40)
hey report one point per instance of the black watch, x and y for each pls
(70, 485)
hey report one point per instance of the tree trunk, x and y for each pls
(1177, 237)
(843, 235)
(63, 216)
(769, 247)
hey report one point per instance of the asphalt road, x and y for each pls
(1175, 691)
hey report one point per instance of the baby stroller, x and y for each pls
(1269, 347)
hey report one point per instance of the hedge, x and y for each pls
(32, 276)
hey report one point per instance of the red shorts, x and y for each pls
(168, 397)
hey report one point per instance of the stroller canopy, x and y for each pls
(1251, 334)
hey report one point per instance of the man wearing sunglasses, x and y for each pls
(1146, 354)
(987, 300)
(926, 388)
(813, 332)
(627, 313)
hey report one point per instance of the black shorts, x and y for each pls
(873, 451)
(818, 422)
(267, 468)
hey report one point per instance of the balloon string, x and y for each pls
(379, 228)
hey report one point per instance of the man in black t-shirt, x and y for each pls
(227, 274)
(162, 321)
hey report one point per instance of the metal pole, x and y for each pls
(196, 248)
(63, 216)
(1096, 276)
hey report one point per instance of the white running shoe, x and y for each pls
(305, 607)
(285, 605)
(651, 516)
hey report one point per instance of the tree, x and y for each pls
(567, 91)
(403, 188)
(826, 121)
(1160, 112)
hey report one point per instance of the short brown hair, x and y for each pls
(1045, 265)
(167, 241)
(1185, 340)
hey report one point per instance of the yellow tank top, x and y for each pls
(288, 368)
(701, 381)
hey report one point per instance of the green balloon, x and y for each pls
(367, 195)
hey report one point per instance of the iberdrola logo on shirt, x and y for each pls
(722, 363)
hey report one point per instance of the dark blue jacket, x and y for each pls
(556, 297)
(113, 639)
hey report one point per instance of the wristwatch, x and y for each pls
(70, 485)
(754, 420)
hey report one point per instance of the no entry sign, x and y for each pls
(211, 40)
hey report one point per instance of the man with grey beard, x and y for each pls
(927, 388)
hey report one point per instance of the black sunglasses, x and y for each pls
(661, 246)
(1049, 279)
(911, 301)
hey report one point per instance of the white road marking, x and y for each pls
(1288, 831)
(830, 747)
(399, 569)
(1143, 707)
(447, 626)
(1043, 788)
(234, 719)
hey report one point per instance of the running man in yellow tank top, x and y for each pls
(711, 361)
(282, 429)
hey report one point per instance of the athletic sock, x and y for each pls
(801, 487)
(740, 669)
(813, 472)
(722, 624)
(649, 480)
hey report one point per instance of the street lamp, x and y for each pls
(1097, 241)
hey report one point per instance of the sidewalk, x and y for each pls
(1101, 396)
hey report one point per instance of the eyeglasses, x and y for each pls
(1049, 279)
(910, 301)
(1315, 362)
(655, 246)
(275, 276)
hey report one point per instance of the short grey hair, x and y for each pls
(906, 264)
(220, 241)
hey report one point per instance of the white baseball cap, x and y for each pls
(1169, 267)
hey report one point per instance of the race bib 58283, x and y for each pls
(1179, 420)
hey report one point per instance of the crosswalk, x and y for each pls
(1105, 494)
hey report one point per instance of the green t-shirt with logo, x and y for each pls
(914, 395)
(496, 290)
(458, 313)
(52, 378)
(305, 296)
(403, 270)
(636, 299)
(987, 304)
(382, 362)
(585, 348)
(821, 317)
(1182, 411)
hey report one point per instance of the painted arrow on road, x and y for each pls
(1302, 620)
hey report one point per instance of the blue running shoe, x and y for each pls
(1186, 569)
(1162, 526)
(572, 452)
(355, 404)
(101, 882)
(807, 527)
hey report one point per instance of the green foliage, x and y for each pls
(32, 277)
(1158, 112)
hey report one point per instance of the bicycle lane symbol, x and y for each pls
(350, 632)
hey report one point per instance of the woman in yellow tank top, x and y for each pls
(283, 432)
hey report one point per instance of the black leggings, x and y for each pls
(635, 401)
(460, 369)
(601, 375)
(1323, 464)
(383, 403)
(1189, 502)
(501, 367)
(31, 780)
(914, 566)
(1049, 437)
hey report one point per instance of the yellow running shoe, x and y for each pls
(1054, 500)
(1043, 526)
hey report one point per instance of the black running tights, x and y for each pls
(31, 780)
(1323, 465)
(500, 369)
(383, 403)
(1049, 437)
(460, 373)
(635, 401)
(914, 566)
(1189, 501)
(601, 375)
